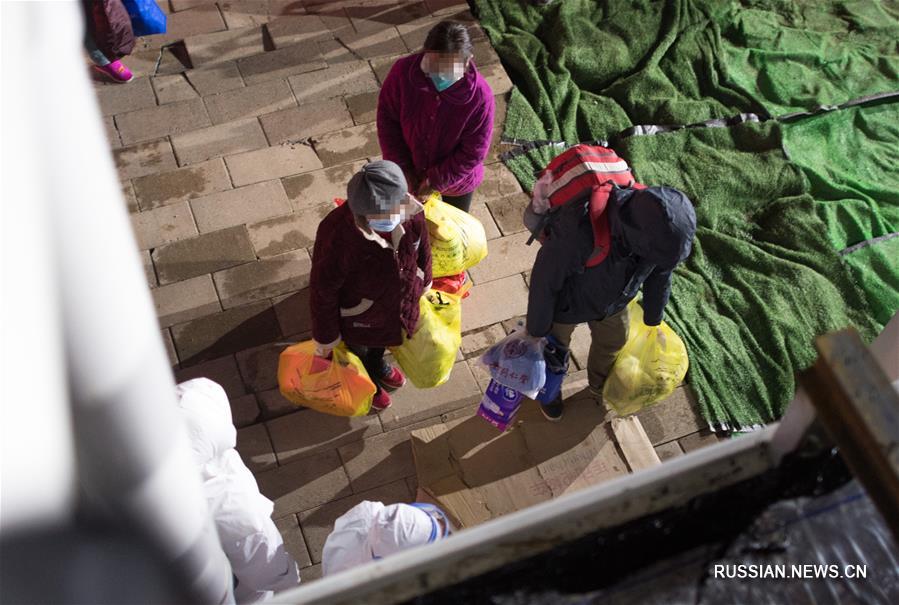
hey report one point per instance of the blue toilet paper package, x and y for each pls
(499, 405)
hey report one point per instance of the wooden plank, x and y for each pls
(886, 348)
(860, 409)
(636, 446)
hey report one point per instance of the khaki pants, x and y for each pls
(607, 337)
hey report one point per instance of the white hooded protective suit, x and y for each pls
(371, 531)
(242, 515)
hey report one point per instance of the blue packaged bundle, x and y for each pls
(499, 405)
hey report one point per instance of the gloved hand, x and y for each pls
(660, 334)
(324, 350)
(540, 197)
(532, 339)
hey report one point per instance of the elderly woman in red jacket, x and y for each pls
(435, 116)
(370, 266)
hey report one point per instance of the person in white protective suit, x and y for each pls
(242, 515)
(370, 531)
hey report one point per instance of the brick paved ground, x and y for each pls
(229, 152)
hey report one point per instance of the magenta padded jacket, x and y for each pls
(441, 136)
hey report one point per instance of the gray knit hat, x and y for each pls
(376, 189)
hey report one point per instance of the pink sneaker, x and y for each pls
(381, 401)
(117, 71)
(393, 380)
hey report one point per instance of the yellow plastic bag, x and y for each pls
(649, 367)
(458, 240)
(339, 386)
(428, 357)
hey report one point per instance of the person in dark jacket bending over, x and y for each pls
(370, 266)
(651, 233)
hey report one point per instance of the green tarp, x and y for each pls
(776, 202)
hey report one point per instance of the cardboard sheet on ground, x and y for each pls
(476, 473)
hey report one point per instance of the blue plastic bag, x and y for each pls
(517, 362)
(146, 17)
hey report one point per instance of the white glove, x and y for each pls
(540, 196)
(324, 350)
(659, 334)
(660, 338)
(521, 332)
(532, 339)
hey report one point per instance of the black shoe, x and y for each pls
(552, 411)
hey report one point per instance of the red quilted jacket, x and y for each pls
(362, 289)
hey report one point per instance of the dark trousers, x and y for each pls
(462, 202)
(607, 337)
(373, 360)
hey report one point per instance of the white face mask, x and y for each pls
(407, 207)
(385, 225)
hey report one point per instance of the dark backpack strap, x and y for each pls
(550, 217)
(541, 227)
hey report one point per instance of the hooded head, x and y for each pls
(401, 526)
(371, 531)
(207, 414)
(657, 224)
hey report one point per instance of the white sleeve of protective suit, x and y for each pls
(347, 546)
(242, 515)
(261, 561)
(207, 415)
(249, 536)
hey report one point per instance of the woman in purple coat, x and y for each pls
(435, 116)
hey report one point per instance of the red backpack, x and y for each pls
(588, 171)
